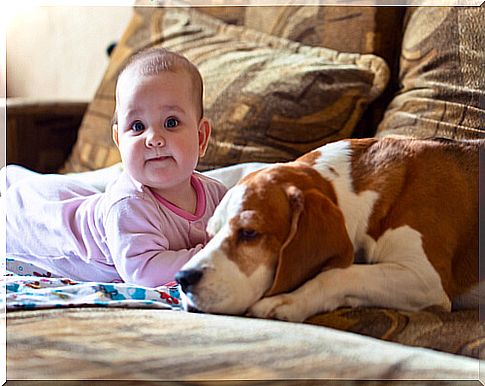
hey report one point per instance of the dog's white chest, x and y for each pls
(334, 164)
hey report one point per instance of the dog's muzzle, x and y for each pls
(188, 279)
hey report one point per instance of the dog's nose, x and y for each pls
(188, 278)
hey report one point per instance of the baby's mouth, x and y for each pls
(158, 159)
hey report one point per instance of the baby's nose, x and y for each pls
(155, 141)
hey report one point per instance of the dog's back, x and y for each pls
(429, 185)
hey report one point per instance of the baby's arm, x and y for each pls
(138, 246)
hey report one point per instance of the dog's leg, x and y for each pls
(404, 279)
(380, 285)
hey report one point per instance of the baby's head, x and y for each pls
(157, 60)
(159, 126)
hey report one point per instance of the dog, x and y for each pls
(362, 222)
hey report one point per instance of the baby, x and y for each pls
(151, 220)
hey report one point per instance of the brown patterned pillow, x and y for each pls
(270, 99)
(366, 30)
(442, 75)
(458, 332)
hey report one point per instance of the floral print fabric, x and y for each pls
(29, 287)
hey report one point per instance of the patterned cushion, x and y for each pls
(458, 332)
(270, 99)
(365, 30)
(229, 15)
(442, 75)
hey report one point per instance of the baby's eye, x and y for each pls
(171, 122)
(137, 126)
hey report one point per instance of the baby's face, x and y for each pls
(160, 134)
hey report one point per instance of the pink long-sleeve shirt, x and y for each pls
(123, 234)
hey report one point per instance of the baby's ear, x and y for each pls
(115, 134)
(204, 132)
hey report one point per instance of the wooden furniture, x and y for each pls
(41, 134)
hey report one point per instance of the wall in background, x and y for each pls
(59, 52)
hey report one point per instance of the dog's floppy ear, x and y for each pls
(317, 240)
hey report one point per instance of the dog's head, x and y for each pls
(277, 228)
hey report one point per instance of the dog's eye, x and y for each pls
(247, 234)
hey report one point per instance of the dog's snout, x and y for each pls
(188, 278)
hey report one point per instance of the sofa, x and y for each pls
(279, 81)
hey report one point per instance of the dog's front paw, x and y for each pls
(281, 307)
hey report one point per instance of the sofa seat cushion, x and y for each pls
(137, 344)
(458, 332)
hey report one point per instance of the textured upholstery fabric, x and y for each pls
(130, 344)
(364, 30)
(442, 74)
(459, 332)
(270, 99)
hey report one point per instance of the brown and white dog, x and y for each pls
(370, 222)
